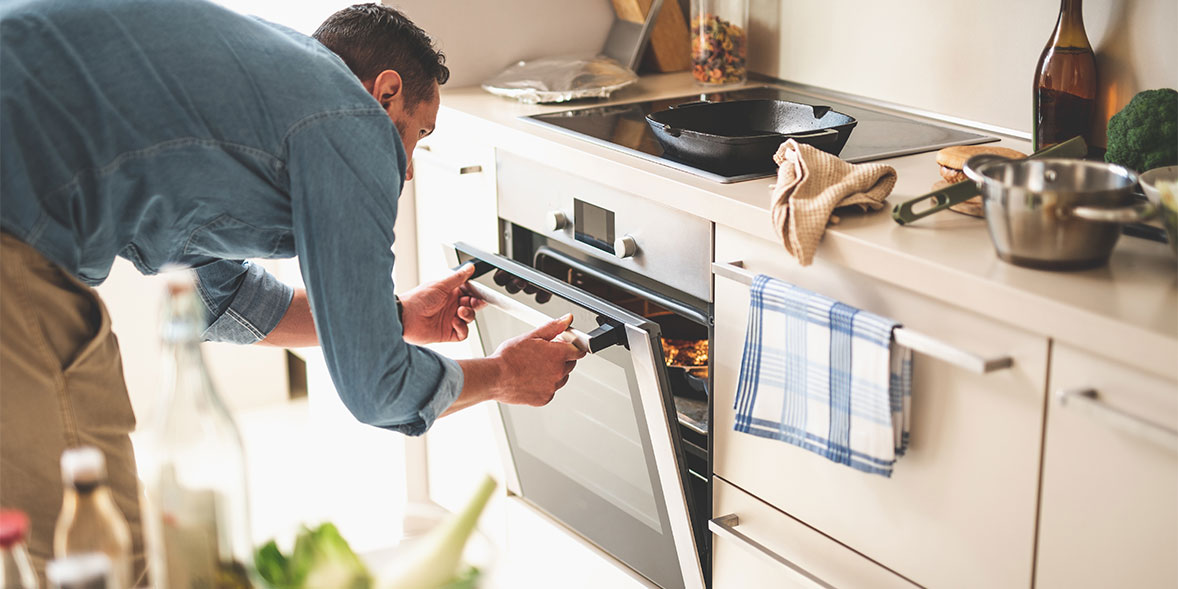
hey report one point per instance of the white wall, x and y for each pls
(481, 38)
(973, 60)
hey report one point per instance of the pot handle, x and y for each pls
(937, 200)
(1129, 214)
(669, 130)
(963, 191)
(821, 133)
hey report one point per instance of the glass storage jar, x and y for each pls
(719, 41)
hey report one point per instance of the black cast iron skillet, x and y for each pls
(744, 134)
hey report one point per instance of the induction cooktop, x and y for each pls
(878, 135)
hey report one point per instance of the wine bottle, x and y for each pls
(195, 497)
(1065, 81)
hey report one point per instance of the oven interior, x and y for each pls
(685, 341)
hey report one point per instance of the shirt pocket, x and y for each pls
(228, 237)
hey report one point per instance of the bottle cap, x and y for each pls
(89, 570)
(14, 526)
(84, 464)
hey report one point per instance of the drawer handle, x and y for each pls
(725, 527)
(1087, 401)
(427, 153)
(904, 336)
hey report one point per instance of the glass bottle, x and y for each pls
(16, 565)
(719, 41)
(89, 520)
(86, 570)
(1065, 81)
(194, 479)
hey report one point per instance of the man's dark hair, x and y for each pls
(371, 38)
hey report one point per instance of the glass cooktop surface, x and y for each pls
(877, 135)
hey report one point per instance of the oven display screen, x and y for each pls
(593, 225)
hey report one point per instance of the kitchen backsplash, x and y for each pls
(973, 60)
(969, 60)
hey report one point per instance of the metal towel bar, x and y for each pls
(904, 336)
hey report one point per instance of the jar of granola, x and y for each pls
(719, 41)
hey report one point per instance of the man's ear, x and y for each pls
(386, 88)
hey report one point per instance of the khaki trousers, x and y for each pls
(61, 385)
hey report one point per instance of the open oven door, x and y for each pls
(604, 457)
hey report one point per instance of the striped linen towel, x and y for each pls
(824, 376)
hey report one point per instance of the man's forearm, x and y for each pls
(480, 377)
(296, 329)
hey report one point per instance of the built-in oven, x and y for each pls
(620, 455)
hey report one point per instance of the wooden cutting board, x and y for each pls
(669, 49)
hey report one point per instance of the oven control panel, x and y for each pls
(664, 244)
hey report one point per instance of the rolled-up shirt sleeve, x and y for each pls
(345, 174)
(245, 302)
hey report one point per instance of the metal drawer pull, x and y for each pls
(1087, 401)
(725, 527)
(904, 336)
(429, 154)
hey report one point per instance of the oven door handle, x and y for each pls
(604, 336)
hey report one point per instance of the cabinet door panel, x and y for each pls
(1109, 515)
(454, 197)
(959, 510)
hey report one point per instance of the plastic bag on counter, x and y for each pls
(557, 79)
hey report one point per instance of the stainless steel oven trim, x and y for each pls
(665, 457)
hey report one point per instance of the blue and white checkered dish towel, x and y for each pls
(825, 376)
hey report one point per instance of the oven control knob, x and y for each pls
(556, 220)
(625, 246)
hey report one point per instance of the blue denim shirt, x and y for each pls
(182, 133)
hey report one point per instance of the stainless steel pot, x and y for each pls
(1056, 214)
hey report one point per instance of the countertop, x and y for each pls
(1126, 310)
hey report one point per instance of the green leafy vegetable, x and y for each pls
(321, 559)
(1144, 134)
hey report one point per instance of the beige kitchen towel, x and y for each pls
(811, 184)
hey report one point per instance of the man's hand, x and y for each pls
(533, 366)
(440, 311)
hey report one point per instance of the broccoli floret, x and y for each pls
(1144, 135)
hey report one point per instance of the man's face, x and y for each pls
(418, 123)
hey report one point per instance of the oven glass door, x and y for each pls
(603, 457)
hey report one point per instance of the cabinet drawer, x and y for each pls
(1109, 515)
(772, 536)
(959, 509)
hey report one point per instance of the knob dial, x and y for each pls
(625, 246)
(557, 220)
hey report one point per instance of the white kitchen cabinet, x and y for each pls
(454, 195)
(1109, 508)
(753, 537)
(959, 509)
